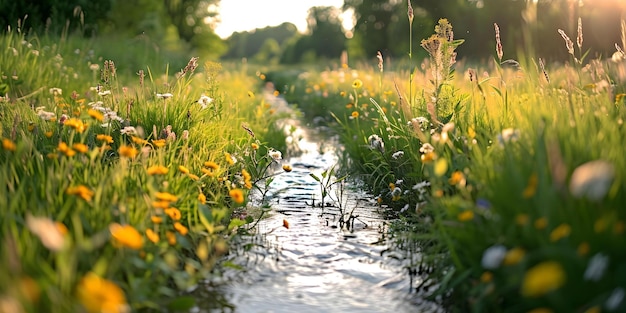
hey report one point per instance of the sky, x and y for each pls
(245, 15)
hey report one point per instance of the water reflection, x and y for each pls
(315, 265)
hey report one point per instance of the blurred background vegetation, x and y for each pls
(186, 27)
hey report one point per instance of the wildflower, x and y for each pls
(95, 114)
(441, 167)
(246, 178)
(357, 83)
(159, 143)
(97, 294)
(8, 144)
(583, 248)
(126, 236)
(493, 256)
(592, 180)
(204, 101)
(164, 96)
(498, 42)
(286, 223)
(254, 146)
(156, 219)
(531, 188)
(173, 213)
(275, 154)
(138, 141)
(615, 299)
(104, 93)
(127, 151)
(202, 198)
(237, 195)
(193, 176)
(104, 138)
(171, 238)
(543, 278)
(287, 168)
(183, 169)
(508, 135)
(212, 165)
(82, 148)
(397, 155)
(76, 124)
(428, 157)
(181, 229)
(560, 232)
(568, 42)
(80, 191)
(596, 267)
(250, 94)
(166, 196)
(541, 223)
(157, 170)
(514, 256)
(465, 216)
(56, 91)
(65, 149)
(129, 130)
(521, 219)
(426, 148)
(152, 236)
(49, 232)
(230, 158)
(486, 277)
(376, 143)
(355, 114)
(456, 178)
(396, 193)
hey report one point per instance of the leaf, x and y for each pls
(183, 303)
(235, 222)
(315, 177)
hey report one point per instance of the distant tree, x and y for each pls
(247, 44)
(269, 52)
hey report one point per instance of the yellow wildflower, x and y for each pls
(105, 138)
(229, 158)
(212, 165)
(183, 169)
(81, 191)
(97, 294)
(173, 213)
(514, 256)
(166, 196)
(8, 144)
(65, 149)
(161, 204)
(159, 143)
(465, 216)
(456, 178)
(349, 106)
(208, 172)
(157, 170)
(48, 134)
(76, 124)
(152, 236)
(428, 157)
(559, 232)
(237, 195)
(126, 236)
(250, 94)
(156, 219)
(128, 151)
(171, 237)
(287, 168)
(80, 147)
(521, 219)
(181, 229)
(138, 141)
(357, 83)
(254, 146)
(355, 114)
(486, 277)
(95, 114)
(543, 278)
(541, 223)
(583, 248)
(202, 198)
(193, 176)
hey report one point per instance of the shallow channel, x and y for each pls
(315, 265)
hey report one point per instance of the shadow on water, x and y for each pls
(332, 258)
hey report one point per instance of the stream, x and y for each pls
(315, 265)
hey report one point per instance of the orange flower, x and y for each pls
(466, 216)
(171, 237)
(8, 144)
(287, 168)
(82, 148)
(95, 114)
(80, 191)
(97, 294)
(138, 140)
(355, 114)
(254, 146)
(105, 138)
(212, 165)
(181, 228)
(173, 213)
(166, 196)
(159, 143)
(126, 236)
(152, 236)
(128, 151)
(157, 170)
(183, 169)
(156, 219)
(193, 176)
(65, 149)
(161, 204)
(76, 124)
(202, 198)
(237, 195)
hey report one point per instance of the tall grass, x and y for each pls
(119, 183)
(508, 180)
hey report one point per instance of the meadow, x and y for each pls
(506, 178)
(118, 176)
